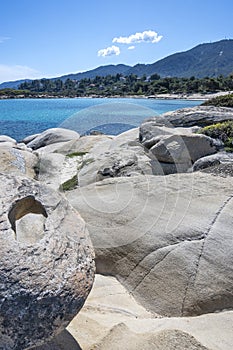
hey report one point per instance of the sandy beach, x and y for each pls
(196, 96)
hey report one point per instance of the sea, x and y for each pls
(23, 117)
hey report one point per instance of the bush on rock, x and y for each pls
(222, 131)
(220, 101)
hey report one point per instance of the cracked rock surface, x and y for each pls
(45, 274)
(167, 239)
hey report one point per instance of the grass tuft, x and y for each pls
(70, 184)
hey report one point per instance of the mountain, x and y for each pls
(100, 71)
(211, 59)
(13, 84)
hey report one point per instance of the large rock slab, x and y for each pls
(168, 239)
(51, 136)
(116, 320)
(199, 115)
(121, 337)
(47, 273)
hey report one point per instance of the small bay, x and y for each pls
(23, 117)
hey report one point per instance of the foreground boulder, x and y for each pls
(92, 159)
(124, 160)
(212, 160)
(46, 272)
(8, 139)
(174, 149)
(123, 155)
(167, 239)
(182, 149)
(49, 137)
(196, 116)
(84, 144)
(149, 131)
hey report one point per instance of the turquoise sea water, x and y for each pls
(23, 117)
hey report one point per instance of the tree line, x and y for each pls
(119, 85)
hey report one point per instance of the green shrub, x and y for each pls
(221, 131)
(70, 184)
(220, 101)
(76, 154)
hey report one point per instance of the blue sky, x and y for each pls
(47, 38)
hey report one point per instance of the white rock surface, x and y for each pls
(182, 148)
(111, 317)
(4, 138)
(51, 136)
(168, 239)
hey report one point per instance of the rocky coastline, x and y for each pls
(148, 212)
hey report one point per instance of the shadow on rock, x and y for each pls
(63, 341)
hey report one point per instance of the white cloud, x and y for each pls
(3, 38)
(148, 36)
(109, 51)
(131, 47)
(17, 72)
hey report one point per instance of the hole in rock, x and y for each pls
(27, 217)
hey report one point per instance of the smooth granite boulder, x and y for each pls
(168, 239)
(212, 160)
(83, 145)
(51, 136)
(29, 138)
(60, 162)
(149, 131)
(46, 273)
(128, 159)
(174, 149)
(17, 161)
(182, 148)
(5, 138)
(195, 116)
(125, 137)
(93, 158)
(63, 341)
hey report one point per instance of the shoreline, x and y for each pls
(189, 97)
